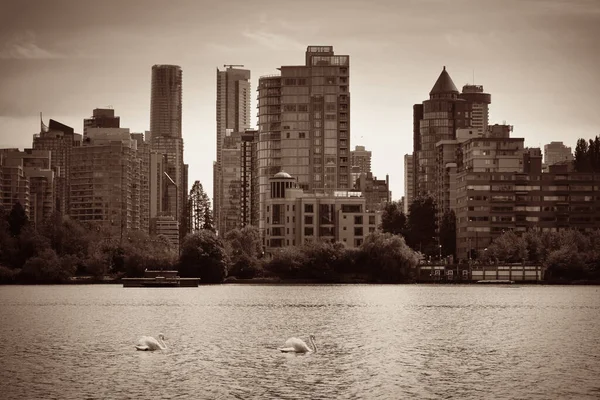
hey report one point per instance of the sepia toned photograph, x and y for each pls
(335, 199)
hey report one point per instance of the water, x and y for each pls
(375, 342)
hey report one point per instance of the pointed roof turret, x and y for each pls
(444, 84)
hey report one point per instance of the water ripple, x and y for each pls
(375, 342)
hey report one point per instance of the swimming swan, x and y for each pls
(295, 345)
(148, 343)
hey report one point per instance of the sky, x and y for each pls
(539, 59)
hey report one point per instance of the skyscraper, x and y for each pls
(408, 182)
(60, 139)
(233, 115)
(304, 124)
(360, 163)
(165, 101)
(439, 118)
(166, 136)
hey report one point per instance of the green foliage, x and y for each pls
(587, 155)
(388, 257)
(393, 220)
(203, 256)
(508, 247)
(17, 219)
(383, 257)
(422, 225)
(448, 233)
(200, 212)
(566, 254)
(46, 268)
(244, 248)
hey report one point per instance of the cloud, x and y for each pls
(24, 46)
(272, 40)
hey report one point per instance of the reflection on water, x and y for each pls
(388, 342)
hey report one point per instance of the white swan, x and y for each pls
(148, 343)
(295, 345)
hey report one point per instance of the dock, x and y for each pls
(154, 278)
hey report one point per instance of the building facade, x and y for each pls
(304, 124)
(60, 140)
(375, 191)
(408, 182)
(295, 217)
(101, 118)
(233, 115)
(557, 152)
(439, 118)
(491, 203)
(105, 178)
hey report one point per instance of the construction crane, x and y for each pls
(231, 65)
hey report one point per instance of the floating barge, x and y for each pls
(496, 282)
(160, 279)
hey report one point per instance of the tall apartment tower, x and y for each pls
(408, 182)
(304, 124)
(361, 158)
(101, 118)
(165, 132)
(446, 111)
(233, 115)
(477, 107)
(60, 140)
(106, 184)
(557, 152)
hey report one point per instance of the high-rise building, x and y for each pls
(249, 178)
(165, 101)
(166, 135)
(105, 180)
(60, 139)
(491, 203)
(477, 107)
(101, 118)
(360, 163)
(441, 116)
(304, 124)
(233, 115)
(408, 182)
(557, 152)
(14, 185)
(361, 158)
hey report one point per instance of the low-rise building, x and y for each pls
(294, 217)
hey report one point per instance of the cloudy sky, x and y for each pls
(538, 58)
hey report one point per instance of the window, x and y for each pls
(308, 219)
(358, 231)
(309, 231)
(358, 220)
(309, 208)
(371, 220)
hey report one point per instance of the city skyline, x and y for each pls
(526, 56)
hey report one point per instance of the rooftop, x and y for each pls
(444, 84)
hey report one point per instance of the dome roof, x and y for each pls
(283, 174)
(444, 84)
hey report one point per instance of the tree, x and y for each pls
(448, 233)
(17, 219)
(201, 214)
(388, 257)
(203, 255)
(509, 247)
(393, 220)
(244, 247)
(422, 225)
(46, 268)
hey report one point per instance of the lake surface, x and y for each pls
(374, 342)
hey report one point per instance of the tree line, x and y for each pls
(587, 155)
